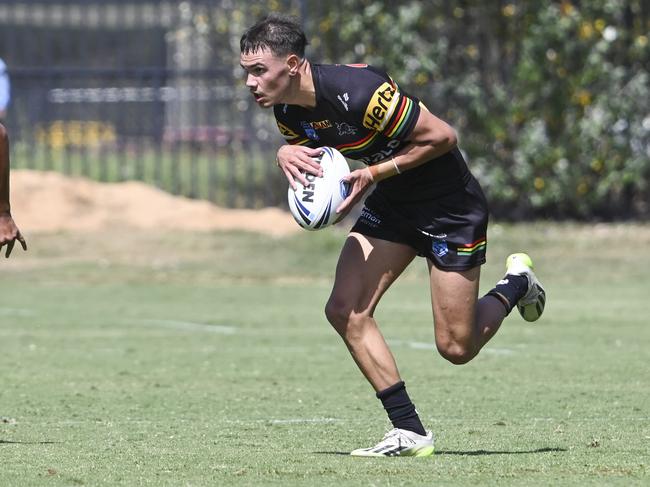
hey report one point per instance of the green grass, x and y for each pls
(205, 359)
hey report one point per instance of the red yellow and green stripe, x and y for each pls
(472, 248)
(358, 145)
(400, 120)
(301, 141)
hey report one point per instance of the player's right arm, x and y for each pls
(296, 157)
(9, 232)
(296, 160)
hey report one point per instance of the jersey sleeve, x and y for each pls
(387, 109)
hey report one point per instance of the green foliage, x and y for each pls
(550, 98)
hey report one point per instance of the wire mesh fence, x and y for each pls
(543, 94)
(148, 90)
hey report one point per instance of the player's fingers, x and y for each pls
(289, 177)
(311, 166)
(10, 247)
(313, 152)
(344, 205)
(348, 202)
(299, 175)
(22, 241)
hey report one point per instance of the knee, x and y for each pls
(456, 352)
(343, 318)
(336, 312)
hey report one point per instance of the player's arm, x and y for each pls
(296, 157)
(296, 160)
(9, 232)
(431, 138)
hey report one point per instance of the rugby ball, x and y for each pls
(314, 206)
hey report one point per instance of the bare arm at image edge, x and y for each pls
(9, 232)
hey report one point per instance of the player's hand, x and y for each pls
(296, 160)
(359, 181)
(9, 233)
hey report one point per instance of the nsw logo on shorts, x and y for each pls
(440, 248)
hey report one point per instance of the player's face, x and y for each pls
(267, 76)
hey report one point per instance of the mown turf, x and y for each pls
(205, 359)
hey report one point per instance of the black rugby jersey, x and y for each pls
(364, 114)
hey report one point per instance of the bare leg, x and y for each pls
(463, 323)
(366, 269)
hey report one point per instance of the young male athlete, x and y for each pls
(9, 232)
(426, 203)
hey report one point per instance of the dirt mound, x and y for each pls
(49, 201)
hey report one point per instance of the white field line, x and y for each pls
(433, 420)
(190, 326)
(411, 344)
(16, 312)
(304, 420)
(432, 347)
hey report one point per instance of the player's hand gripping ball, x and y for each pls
(314, 206)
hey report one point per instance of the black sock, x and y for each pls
(401, 411)
(509, 290)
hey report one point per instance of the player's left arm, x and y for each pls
(430, 137)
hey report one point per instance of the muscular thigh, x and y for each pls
(366, 268)
(453, 298)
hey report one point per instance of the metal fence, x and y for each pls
(138, 89)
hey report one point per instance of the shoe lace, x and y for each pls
(390, 434)
(396, 436)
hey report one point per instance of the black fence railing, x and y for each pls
(144, 90)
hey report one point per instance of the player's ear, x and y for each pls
(293, 61)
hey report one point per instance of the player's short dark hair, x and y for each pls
(281, 34)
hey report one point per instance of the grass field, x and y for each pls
(205, 359)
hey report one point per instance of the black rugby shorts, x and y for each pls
(450, 230)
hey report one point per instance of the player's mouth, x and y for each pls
(258, 97)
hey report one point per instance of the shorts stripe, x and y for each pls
(469, 249)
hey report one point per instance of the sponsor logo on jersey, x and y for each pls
(369, 218)
(309, 130)
(321, 125)
(382, 154)
(344, 99)
(345, 128)
(286, 132)
(381, 107)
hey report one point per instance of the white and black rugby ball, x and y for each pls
(314, 206)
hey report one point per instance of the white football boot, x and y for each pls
(531, 306)
(399, 443)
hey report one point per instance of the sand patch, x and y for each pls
(50, 202)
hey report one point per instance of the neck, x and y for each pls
(303, 91)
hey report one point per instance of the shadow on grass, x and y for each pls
(497, 452)
(467, 453)
(7, 442)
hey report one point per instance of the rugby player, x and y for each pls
(425, 203)
(9, 232)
